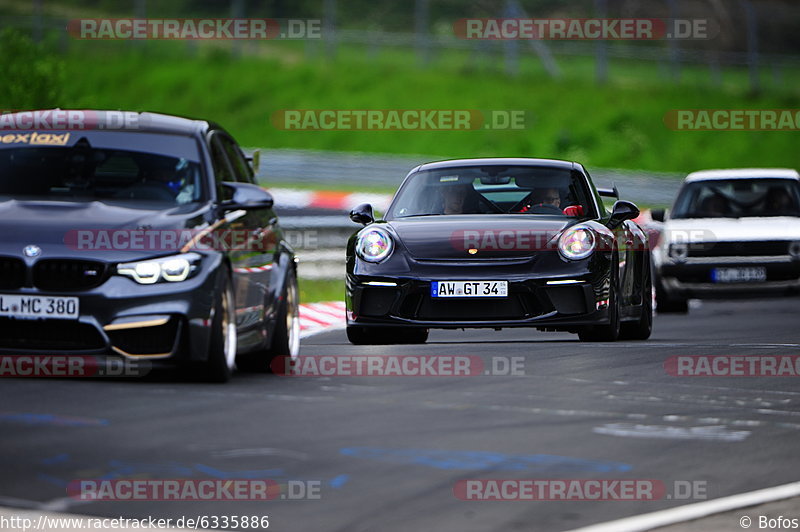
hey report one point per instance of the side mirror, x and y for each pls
(246, 196)
(362, 214)
(622, 210)
(658, 215)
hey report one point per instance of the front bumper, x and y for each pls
(164, 323)
(693, 279)
(530, 303)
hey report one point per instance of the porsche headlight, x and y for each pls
(576, 243)
(173, 269)
(374, 244)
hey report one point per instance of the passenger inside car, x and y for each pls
(778, 202)
(715, 205)
(460, 198)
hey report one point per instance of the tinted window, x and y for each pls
(734, 198)
(105, 166)
(241, 169)
(222, 168)
(494, 190)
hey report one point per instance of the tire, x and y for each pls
(643, 327)
(669, 305)
(286, 334)
(609, 332)
(221, 360)
(386, 335)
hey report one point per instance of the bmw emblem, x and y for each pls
(32, 251)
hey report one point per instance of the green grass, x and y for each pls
(618, 125)
(315, 290)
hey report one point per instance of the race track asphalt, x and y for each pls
(386, 452)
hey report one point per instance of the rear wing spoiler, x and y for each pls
(609, 192)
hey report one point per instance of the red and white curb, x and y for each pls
(290, 198)
(321, 317)
(256, 269)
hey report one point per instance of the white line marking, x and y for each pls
(698, 510)
(714, 432)
(262, 451)
(19, 503)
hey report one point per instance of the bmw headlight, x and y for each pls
(576, 243)
(173, 269)
(374, 244)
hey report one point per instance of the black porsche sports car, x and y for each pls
(148, 241)
(498, 243)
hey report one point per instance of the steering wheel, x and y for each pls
(541, 208)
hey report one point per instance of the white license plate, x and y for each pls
(27, 307)
(469, 289)
(739, 275)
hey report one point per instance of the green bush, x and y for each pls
(33, 78)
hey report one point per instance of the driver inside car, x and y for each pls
(162, 179)
(542, 197)
(164, 173)
(778, 202)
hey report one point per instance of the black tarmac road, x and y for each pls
(384, 453)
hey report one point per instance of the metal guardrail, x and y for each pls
(320, 239)
(326, 168)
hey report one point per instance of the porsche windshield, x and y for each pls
(101, 166)
(524, 190)
(736, 198)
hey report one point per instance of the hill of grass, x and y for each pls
(619, 124)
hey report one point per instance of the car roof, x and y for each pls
(743, 173)
(498, 161)
(147, 122)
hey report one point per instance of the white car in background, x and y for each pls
(730, 233)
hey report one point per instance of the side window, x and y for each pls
(591, 193)
(241, 169)
(222, 168)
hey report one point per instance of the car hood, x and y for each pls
(493, 236)
(56, 226)
(731, 229)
